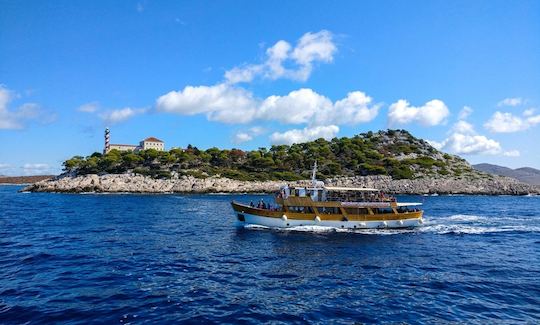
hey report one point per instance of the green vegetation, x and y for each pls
(394, 152)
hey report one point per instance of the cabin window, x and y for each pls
(383, 210)
(328, 210)
(356, 210)
(299, 209)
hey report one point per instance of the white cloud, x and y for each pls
(463, 139)
(231, 104)
(508, 122)
(471, 144)
(277, 54)
(310, 49)
(432, 113)
(465, 112)
(5, 166)
(299, 106)
(514, 101)
(533, 120)
(242, 137)
(314, 47)
(36, 169)
(435, 144)
(356, 108)
(463, 127)
(248, 135)
(221, 102)
(529, 112)
(512, 153)
(304, 135)
(120, 115)
(16, 118)
(89, 107)
(242, 74)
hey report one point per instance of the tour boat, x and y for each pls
(329, 206)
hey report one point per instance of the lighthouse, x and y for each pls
(107, 139)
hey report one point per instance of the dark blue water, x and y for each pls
(172, 258)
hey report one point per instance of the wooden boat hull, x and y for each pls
(279, 219)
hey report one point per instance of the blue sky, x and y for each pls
(462, 74)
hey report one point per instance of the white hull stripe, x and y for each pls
(285, 222)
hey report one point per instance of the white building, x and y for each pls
(122, 147)
(148, 143)
(152, 143)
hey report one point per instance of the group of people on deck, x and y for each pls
(379, 197)
(261, 205)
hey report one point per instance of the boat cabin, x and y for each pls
(340, 194)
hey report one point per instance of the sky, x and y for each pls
(464, 75)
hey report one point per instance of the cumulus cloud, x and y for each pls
(248, 135)
(303, 135)
(463, 127)
(36, 169)
(529, 112)
(299, 106)
(284, 61)
(89, 107)
(232, 104)
(514, 101)
(120, 115)
(464, 139)
(356, 108)
(228, 102)
(431, 113)
(242, 137)
(508, 123)
(470, 144)
(465, 112)
(16, 118)
(512, 153)
(221, 102)
(27, 169)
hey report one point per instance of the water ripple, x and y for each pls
(163, 259)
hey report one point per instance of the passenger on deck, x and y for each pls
(251, 204)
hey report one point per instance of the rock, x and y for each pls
(129, 183)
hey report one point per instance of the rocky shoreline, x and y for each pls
(130, 183)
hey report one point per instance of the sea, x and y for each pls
(136, 259)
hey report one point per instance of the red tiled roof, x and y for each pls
(152, 139)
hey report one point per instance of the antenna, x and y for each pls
(314, 174)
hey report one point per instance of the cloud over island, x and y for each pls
(228, 102)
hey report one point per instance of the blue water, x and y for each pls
(68, 258)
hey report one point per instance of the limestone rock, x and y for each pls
(130, 183)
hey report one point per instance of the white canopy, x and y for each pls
(408, 204)
(359, 189)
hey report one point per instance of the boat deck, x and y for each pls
(341, 216)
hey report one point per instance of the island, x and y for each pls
(393, 161)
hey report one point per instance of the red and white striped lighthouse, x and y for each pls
(107, 139)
